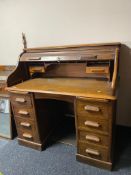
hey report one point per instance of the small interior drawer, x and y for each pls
(36, 69)
(97, 70)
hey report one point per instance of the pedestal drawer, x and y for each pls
(23, 112)
(93, 151)
(26, 129)
(90, 137)
(26, 135)
(21, 100)
(25, 124)
(91, 124)
(99, 109)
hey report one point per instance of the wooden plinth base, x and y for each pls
(29, 144)
(94, 162)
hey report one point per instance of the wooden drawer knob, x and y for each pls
(26, 135)
(25, 124)
(23, 112)
(91, 151)
(92, 108)
(21, 100)
(93, 124)
(92, 138)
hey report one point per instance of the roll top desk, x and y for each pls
(47, 79)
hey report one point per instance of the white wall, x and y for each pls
(59, 22)
(56, 22)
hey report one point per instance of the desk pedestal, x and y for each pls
(37, 118)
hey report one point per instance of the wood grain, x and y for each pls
(67, 86)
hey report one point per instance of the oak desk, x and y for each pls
(49, 80)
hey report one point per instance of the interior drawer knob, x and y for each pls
(23, 112)
(93, 152)
(93, 124)
(92, 138)
(21, 100)
(25, 124)
(92, 108)
(26, 135)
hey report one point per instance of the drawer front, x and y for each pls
(91, 124)
(95, 109)
(89, 137)
(97, 70)
(26, 135)
(21, 100)
(24, 112)
(25, 124)
(93, 151)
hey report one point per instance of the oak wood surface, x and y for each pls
(67, 86)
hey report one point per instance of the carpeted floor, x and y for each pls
(59, 159)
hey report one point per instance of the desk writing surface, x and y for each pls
(67, 86)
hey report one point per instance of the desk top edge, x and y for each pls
(72, 46)
(26, 88)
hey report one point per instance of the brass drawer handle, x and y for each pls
(21, 100)
(92, 138)
(26, 135)
(92, 108)
(91, 151)
(23, 112)
(25, 124)
(93, 124)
